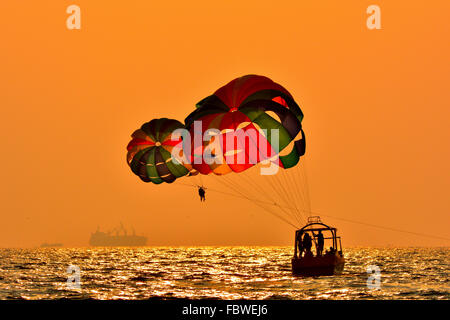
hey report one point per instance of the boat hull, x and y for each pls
(318, 266)
(102, 240)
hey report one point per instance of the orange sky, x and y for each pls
(376, 105)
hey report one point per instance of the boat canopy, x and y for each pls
(314, 225)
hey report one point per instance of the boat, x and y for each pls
(322, 264)
(51, 245)
(118, 238)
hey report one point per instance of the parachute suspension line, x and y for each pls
(296, 199)
(383, 227)
(237, 195)
(292, 176)
(233, 184)
(186, 184)
(302, 186)
(227, 184)
(285, 194)
(256, 185)
(294, 193)
(261, 203)
(300, 191)
(197, 180)
(304, 171)
(214, 190)
(273, 190)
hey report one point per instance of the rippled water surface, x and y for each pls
(218, 272)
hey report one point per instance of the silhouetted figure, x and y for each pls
(330, 252)
(307, 244)
(201, 193)
(300, 246)
(320, 243)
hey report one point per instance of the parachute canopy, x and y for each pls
(149, 152)
(270, 122)
(244, 114)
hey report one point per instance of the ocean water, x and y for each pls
(218, 273)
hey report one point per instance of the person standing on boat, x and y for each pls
(320, 243)
(307, 244)
(300, 245)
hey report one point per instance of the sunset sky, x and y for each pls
(376, 105)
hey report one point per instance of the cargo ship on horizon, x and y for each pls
(118, 238)
(51, 245)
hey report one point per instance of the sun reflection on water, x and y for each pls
(218, 272)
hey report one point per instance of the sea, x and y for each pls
(218, 273)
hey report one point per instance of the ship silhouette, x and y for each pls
(117, 238)
(51, 245)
